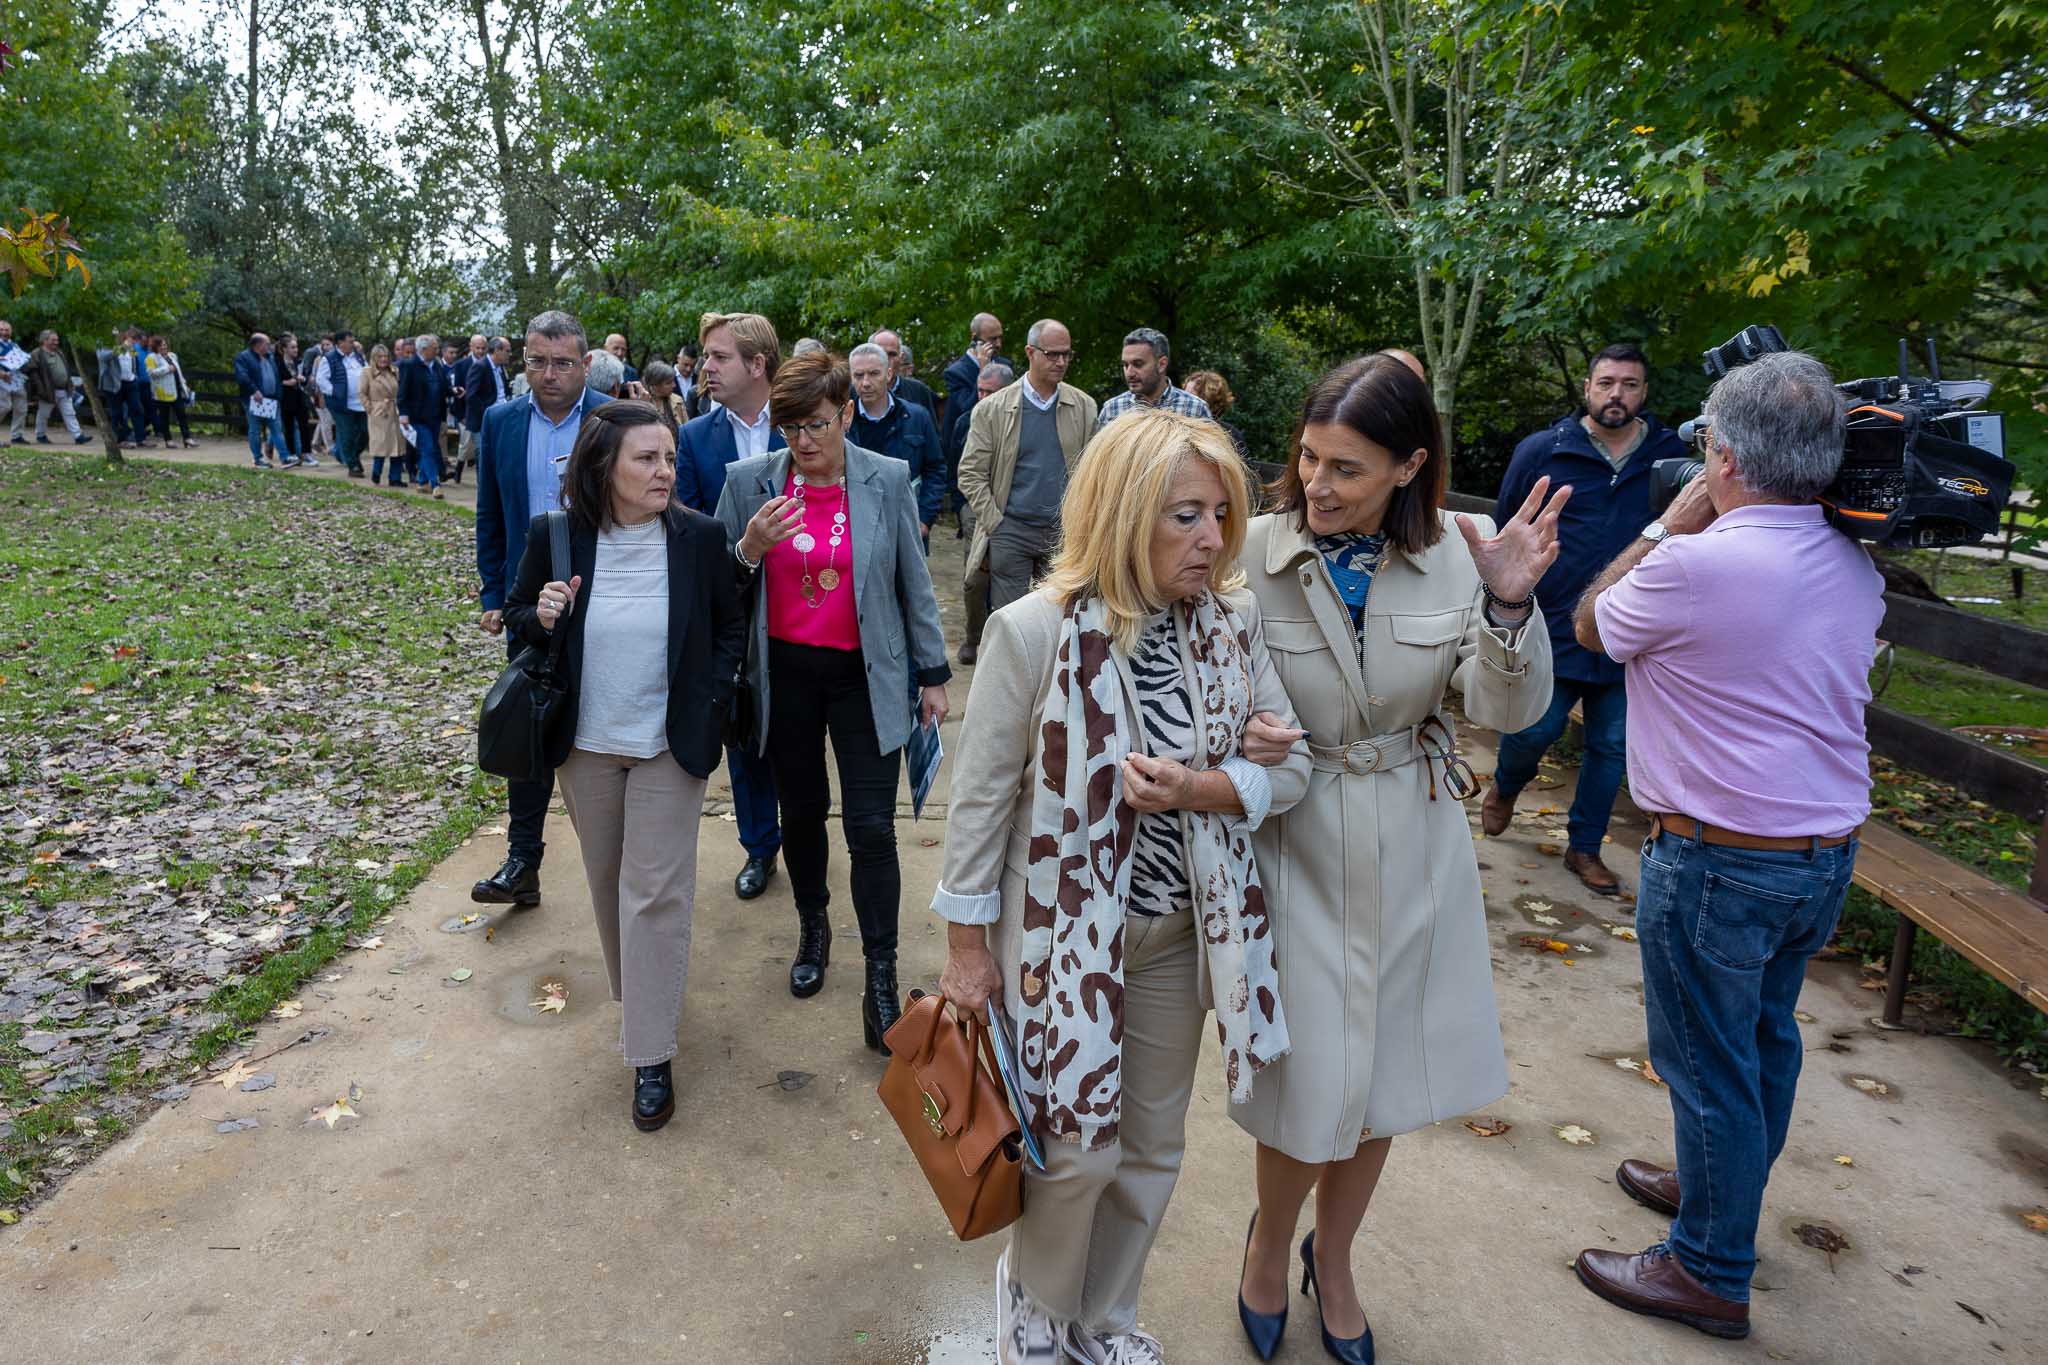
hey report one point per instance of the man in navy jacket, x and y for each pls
(889, 425)
(525, 445)
(1605, 455)
(424, 388)
(740, 354)
(986, 345)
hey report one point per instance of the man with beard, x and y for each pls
(1605, 455)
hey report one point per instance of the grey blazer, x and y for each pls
(892, 585)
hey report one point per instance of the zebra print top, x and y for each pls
(1159, 869)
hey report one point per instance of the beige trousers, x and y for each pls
(636, 819)
(1090, 1217)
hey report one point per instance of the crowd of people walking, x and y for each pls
(1205, 771)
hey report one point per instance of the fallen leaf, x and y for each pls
(1546, 919)
(290, 1009)
(1538, 907)
(1650, 1073)
(373, 941)
(1489, 1127)
(1547, 945)
(460, 975)
(471, 919)
(1628, 1064)
(551, 1004)
(1869, 1086)
(1573, 1133)
(334, 1113)
(368, 865)
(1622, 931)
(2036, 1218)
(236, 1074)
(1551, 850)
(135, 983)
(1803, 1017)
(8, 1218)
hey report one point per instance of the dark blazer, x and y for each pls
(254, 375)
(501, 513)
(961, 378)
(704, 447)
(423, 391)
(918, 392)
(907, 433)
(481, 390)
(1607, 511)
(707, 632)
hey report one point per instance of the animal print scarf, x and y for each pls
(1077, 883)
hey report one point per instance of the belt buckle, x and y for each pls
(1371, 751)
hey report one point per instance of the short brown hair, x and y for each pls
(587, 480)
(805, 382)
(1379, 398)
(1213, 389)
(754, 334)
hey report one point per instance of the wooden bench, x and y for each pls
(2002, 931)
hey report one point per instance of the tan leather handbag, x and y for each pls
(945, 1093)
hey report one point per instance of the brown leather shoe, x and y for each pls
(1651, 1186)
(1496, 812)
(1654, 1284)
(1588, 868)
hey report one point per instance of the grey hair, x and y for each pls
(1038, 327)
(427, 341)
(606, 371)
(868, 348)
(555, 325)
(806, 345)
(658, 372)
(45, 335)
(1148, 336)
(1782, 417)
(904, 347)
(1000, 371)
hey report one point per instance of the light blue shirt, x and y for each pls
(547, 453)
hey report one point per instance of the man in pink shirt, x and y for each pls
(1746, 626)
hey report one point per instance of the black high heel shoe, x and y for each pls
(1351, 1350)
(1262, 1330)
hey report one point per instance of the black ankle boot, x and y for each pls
(654, 1096)
(879, 1005)
(813, 952)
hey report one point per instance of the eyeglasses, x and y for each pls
(811, 429)
(552, 365)
(1703, 440)
(1439, 746)
(1056, 357)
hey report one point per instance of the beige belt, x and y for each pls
(1364, 756)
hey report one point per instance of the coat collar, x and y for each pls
(1290, 542)
(864, 498)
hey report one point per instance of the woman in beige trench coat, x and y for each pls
(1379, 927)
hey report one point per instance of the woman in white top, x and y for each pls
(654, 636)
(167, 383)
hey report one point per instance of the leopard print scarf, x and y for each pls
(1077, 884)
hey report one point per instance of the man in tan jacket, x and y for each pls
(1021, 444)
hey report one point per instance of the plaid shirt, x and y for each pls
(1175, 399)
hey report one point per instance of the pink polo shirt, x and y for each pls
(832, 623)
(1746, 652)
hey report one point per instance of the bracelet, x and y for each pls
(1494, 599)
(741, 555)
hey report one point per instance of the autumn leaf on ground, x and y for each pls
(373, 941)
(1869, 1086)
(1489, 1127)
(334, 1113)
(2036, 1218)
(1628, 1064)
(1622, 931)
(135, 983)
(1545, 945)
(368, 865)
(1550, 850)
(1546, 920)
(290, 1009)
(1845, 1160)
(1650, 1073)
(1573, 1133)
(1803, 1017)
(236, 1074)
(554, 997)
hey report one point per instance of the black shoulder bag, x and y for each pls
(526, 707)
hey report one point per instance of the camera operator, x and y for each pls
(1605, 455)
(1746, 626)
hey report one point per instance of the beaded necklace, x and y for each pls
(828, 577)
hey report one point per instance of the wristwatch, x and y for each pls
(1655, 532)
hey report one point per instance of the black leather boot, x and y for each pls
(516, 883)
(880, 1007)
(813, 952)
(654, 1096)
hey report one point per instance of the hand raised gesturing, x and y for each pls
(1513, 560)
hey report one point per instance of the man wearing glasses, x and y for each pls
(1021, 444)
(738, 354)
(1605, 455)
(522, 450)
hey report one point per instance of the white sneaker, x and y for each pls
(1123, 1348)
(1025, 1333)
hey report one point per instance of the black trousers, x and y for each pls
(816, 692)
(527, 817)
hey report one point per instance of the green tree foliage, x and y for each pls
(76, 149)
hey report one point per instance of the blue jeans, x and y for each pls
(274, 424)
(1606, 717)
(1725, 935)
(426, 444)
(753, 803)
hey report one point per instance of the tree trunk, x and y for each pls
(249, 123)
(100, 417)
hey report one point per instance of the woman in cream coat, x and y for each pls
(1380, 931)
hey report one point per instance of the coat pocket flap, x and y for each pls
(1438, 628)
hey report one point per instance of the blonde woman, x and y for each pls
(380, 411)
(1102, 803)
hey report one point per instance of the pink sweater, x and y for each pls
(827, 619)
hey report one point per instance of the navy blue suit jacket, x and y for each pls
(704, 447)
(907, 433)
(502, 517)
(423, 391)
(481, 390)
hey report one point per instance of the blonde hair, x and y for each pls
(752, 334)
(1112, 509)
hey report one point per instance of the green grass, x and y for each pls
(218, 691)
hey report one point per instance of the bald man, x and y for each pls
(902, 388)
(616, 344)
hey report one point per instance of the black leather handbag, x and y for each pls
(742, 729)
(528, 704)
